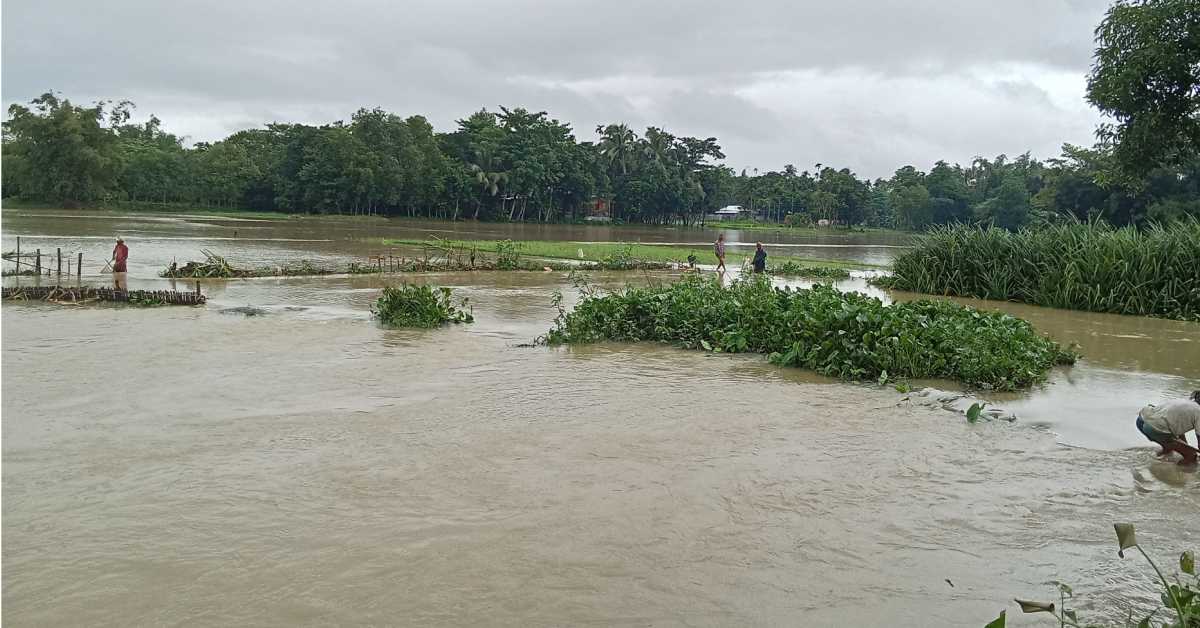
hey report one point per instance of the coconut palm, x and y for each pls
(617, 144)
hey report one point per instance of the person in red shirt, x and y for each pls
(120, 255)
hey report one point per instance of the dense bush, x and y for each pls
(419, 306)
(846, 335)
(1080, 266)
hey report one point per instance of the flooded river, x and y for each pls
(199, 466)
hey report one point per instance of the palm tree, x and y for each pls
(616, 144)
(486, 177)
(656, 146)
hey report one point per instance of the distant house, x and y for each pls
(598, 210)
(729, 212)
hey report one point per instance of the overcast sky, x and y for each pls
(870, 85)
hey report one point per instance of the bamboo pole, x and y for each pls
(38, 266)
(60, 261)
(79, 266)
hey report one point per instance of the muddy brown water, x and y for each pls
(305, 466)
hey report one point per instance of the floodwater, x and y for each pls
(199, 466)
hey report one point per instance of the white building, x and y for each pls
(729, 212)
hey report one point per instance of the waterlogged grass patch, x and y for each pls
(845, 335)
(420, 306)
(1079, 266)
(609, 255)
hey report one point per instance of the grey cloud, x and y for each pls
(686, 66)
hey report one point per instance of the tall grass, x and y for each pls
(1080, 266)
(845, 335)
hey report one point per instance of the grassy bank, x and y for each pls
(601, 251)
(1081, 266)
(845, 335)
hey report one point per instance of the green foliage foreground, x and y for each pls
(419, 306)
(845, 335)
(1079, 266)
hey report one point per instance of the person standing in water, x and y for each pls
(1168, 424)
(120, 256)
(760, 258)
(719, 249)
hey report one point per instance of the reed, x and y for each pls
(1081, 266)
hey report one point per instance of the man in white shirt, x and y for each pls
(1168, 424)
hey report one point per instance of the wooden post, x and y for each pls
(38, 266)
(60, 262)
(79, 266)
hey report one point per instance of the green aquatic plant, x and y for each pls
(791, 268)
(1180, 600)
(846, 335)
(1080, 266)
(508, 255)
(409, 305)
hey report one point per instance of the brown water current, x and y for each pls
(304, 466)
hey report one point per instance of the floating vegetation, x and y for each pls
(1080, 266)
(213, 266)
(24, 272)
(420, 306)
(792, 268)
(846, 335)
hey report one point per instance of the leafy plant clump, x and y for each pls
(1180, 599)
(845, 335)
(420, 306)
(791, 268)
(1080, 266)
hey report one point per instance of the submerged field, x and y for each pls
(461, 476)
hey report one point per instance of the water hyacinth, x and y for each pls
(846, 335)
(1080, 266)
(419, 306)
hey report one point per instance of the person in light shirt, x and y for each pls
(1168, 424)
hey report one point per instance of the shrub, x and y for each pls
(1080, 266)
(419, 306)
(845, 335)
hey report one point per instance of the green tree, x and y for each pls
(61, 152)
(1147, 76)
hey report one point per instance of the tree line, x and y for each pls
(520, 165)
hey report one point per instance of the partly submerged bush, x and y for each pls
(791, 268)
(420, 306)
(846, 335)
(1080, 266)
(1180, 599)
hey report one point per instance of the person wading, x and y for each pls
(760, 258)
(719, 249)
(120, 256)
(1168, 424)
